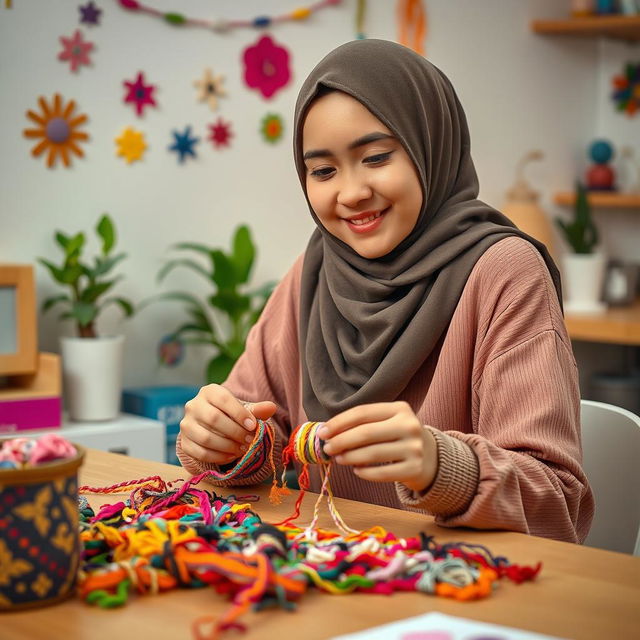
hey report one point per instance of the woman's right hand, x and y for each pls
(217, 427)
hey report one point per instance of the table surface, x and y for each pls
(581, 593)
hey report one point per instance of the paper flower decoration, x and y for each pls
(131, 145)
(220, 134)
(272, 127)
(266, 67)
(75, 51)
(170, 351)
(184, 144)
(89, 13)
(627, 89)
(57, 130)
(140, 94)
(210, 88)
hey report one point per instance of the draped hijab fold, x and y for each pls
(367, 326)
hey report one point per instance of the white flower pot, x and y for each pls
(92, 377)
(582, 283)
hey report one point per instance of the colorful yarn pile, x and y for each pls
(164, 537)
(23, 453)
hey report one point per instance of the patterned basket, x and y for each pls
(39, 542)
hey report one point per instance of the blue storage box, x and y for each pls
(161, 403)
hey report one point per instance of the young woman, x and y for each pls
(420, 324)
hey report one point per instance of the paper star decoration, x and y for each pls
(131, 145)
(76, 50)
(210, 88)
(184, 144)
(89, 13)
(57, 130)
(220, 133)
(140, 94)
(272, 127)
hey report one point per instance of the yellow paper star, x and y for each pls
(210, 88)
(131, 145)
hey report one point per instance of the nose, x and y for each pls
(353, 190)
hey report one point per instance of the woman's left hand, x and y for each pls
(384, 442)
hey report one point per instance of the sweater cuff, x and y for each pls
(456, 481)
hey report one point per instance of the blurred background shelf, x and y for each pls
(617, 27)
(602, 199)
(617, 325)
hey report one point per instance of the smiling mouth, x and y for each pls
(364, 219)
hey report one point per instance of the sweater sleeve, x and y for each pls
(527, 475)
(267, 370)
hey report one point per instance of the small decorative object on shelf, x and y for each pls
(581, 8)
(606, 7)
(583, 267)
(620, 283)
(633, 181)
(600, 176)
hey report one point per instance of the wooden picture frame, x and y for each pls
(620, 283)
(18, 328)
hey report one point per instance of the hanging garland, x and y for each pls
(220, 25)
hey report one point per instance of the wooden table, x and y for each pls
(617, 325)
(581, 593)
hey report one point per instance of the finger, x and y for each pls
(213, 420)
(388, 452)
(217, 442)
(261, 410)
(198, 452)
(362, 435)
(356, 416)
(226, 402)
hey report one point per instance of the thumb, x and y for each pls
(262, 410)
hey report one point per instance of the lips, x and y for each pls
(366, 221)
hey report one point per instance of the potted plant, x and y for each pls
(224, 319)
(584, 266)
(91, 364)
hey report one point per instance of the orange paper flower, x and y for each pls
(57, 130)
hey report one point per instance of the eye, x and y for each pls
(378, 158)
(322, 173)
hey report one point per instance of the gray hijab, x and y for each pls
(367, 326)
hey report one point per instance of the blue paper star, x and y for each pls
(89, 13)
(184, 144)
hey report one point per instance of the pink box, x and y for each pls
(30, 413)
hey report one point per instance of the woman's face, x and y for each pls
(360, 181)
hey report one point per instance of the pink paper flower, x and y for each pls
(266, 67)
(76, 50)
(140, 93)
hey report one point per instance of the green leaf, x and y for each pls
(224, 272)
(243, 253)
(74, 247)
(56, 272)
(127, 308)
(201, 319)
(93, 292)
(54, 300)
(107, 232)
(184, 262)
(190, 328)
(84, 313)
(71, 274)
(193, 246)
(105, 265)
(62, 240)
(219, 368)
(230, 302)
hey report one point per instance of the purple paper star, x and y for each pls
(89, 13)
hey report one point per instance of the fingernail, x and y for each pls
(327, 449)
(249, 439)
(323, 432)
(249, 423)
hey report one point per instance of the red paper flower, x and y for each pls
(140, 93)
(221, 133)
(266, 67)
(76, 50)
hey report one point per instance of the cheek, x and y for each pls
(318, 198)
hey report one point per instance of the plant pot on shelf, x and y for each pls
(92, 377)
(582, 283)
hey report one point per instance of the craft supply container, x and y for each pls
(39, 533)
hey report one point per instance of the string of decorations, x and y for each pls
(220, 25)
(165, 537)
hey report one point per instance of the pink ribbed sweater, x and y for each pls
(501, 398)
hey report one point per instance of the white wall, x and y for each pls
(520, 91)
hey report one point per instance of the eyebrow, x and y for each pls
(360, 142)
